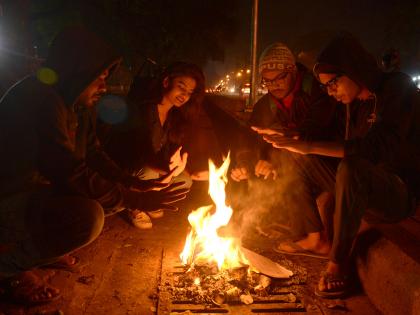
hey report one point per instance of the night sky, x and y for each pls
(308, 24)
(166, 32)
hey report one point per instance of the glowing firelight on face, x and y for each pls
(203, 244)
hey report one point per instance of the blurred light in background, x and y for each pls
(112, 109)
(416, 80)
(47, 76)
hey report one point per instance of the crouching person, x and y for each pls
(151, 140)
(56, 184)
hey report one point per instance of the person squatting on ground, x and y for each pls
(150, 141)
(296, 107)
(56, 183)
(379, 171)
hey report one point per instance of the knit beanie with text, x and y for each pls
(277, 57)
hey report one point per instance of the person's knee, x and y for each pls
(88, 218)
(68, 223)
(350, 169)
(93, 217)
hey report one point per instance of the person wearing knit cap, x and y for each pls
(295, 106)
(379, 173)
(278, 70)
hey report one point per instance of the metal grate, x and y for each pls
(240, 309)
(275, 304)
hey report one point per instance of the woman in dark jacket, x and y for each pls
(149, 142)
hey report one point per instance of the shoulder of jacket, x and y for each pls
(307, 83)
(43, 95)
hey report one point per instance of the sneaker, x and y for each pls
(140, 220)
(156, 214)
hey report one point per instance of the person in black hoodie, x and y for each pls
(380, 166)
(56, 183)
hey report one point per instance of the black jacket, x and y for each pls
(43, 133)
(139, 140)
(385, 129)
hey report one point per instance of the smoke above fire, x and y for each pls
(262, 202)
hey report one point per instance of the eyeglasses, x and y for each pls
(280, 77)
(332, 84)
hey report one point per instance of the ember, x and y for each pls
(231, 286)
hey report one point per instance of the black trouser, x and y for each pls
(361, 188)
(38, 227)
(313, 175)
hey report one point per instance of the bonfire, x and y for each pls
(219, 269)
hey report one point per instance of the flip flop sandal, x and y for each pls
(63, 264)
(29, 293)
(299, 251)
(337, 292)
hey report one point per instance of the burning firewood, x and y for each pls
(220, 270)
(246, 298)
(232, 286)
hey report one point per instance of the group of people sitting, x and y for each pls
(63, 169)
(339, 145)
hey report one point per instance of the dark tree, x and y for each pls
(162, 30)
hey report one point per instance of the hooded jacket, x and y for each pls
(44, 133)
(386, 128)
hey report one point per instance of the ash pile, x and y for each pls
(205, 284)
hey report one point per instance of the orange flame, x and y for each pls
(203, 244)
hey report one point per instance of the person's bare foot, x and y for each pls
(28, 288)
(315, 243)
(333, 282)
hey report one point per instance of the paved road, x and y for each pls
(120, 271)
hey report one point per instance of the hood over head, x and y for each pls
(345, 55)
(77, 57)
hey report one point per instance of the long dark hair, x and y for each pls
(191, 109)
(180, 120)
(150, 91)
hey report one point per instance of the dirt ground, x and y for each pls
(120, 272)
